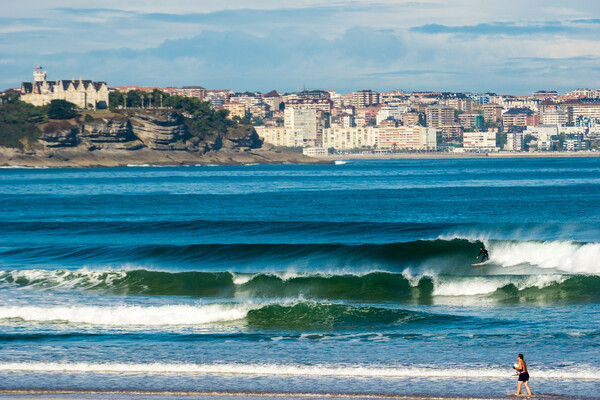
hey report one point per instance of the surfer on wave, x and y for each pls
(483, 253)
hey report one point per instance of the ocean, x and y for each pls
(348, 280)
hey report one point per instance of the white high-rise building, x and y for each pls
(349, 138)
(304, 120)
(480, 141)
(553, 117)
(395, 113)
(406, 138)
(280, 136)
(543, 135)
(514, 141)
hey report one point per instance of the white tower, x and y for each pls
(39, 75)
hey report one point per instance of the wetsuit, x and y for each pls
(485, 255)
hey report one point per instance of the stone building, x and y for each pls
(82, 93)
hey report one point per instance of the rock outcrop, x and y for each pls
(160, 131)
(152, 137)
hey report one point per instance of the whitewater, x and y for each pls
(357, 278)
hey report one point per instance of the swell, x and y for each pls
(374, 286)
(450, 256)
(458, 251)
(249, 227)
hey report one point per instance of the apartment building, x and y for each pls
(406, 138)
(492, 113)
(471, 120)
(480, 141)
(281, 136)
(365, 98)
(520, 117)
(514, 141)
(439, 115)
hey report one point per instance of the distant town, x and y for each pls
(320, 122)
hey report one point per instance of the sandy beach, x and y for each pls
(176, 395)
(435, 155)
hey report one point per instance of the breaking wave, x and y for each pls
(297, 315)
(373, 286)
(443, 255)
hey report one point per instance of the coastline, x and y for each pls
(176, 394)
(84, 158)
(398, 156)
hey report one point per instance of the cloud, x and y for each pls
(586, 21)
(414, 72)
(495, 28)
(285, 44)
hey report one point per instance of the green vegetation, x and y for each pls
(200, 119)
(18, 121)
(500, 139)
(62, 109)
(560, 141)
(527, 142)
(21, 123)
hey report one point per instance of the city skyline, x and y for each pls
(513, 47)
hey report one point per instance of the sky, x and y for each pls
(508, 46)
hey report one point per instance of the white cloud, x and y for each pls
(284, 44)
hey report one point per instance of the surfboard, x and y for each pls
(480, 264)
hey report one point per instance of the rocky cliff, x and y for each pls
(143, 137)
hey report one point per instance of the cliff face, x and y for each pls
(163, 131)
(155, 137)
(91, 134)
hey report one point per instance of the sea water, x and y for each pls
(346, 279)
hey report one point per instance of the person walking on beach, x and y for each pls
(483, 253)
(521, 368)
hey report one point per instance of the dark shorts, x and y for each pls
(524, 377)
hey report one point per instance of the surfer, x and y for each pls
(521, 367)
(483, 253)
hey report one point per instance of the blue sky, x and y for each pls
(459, 45)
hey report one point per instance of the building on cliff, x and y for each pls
(82, 93)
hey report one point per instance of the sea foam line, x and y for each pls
(244, 394)
(458, 372)
(172, 315)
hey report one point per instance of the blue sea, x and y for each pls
(348, 280)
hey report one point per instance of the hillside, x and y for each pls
(166, 136)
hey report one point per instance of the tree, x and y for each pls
(62, 109)
(500, 140)
(18, 122)
(527, 141)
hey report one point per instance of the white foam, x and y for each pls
(240, 279)
(458, 371)
(473, 286)
(172, 315)
(62, 278)
(560, 255)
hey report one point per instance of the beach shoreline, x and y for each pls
(435, 155)
(167, 394)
